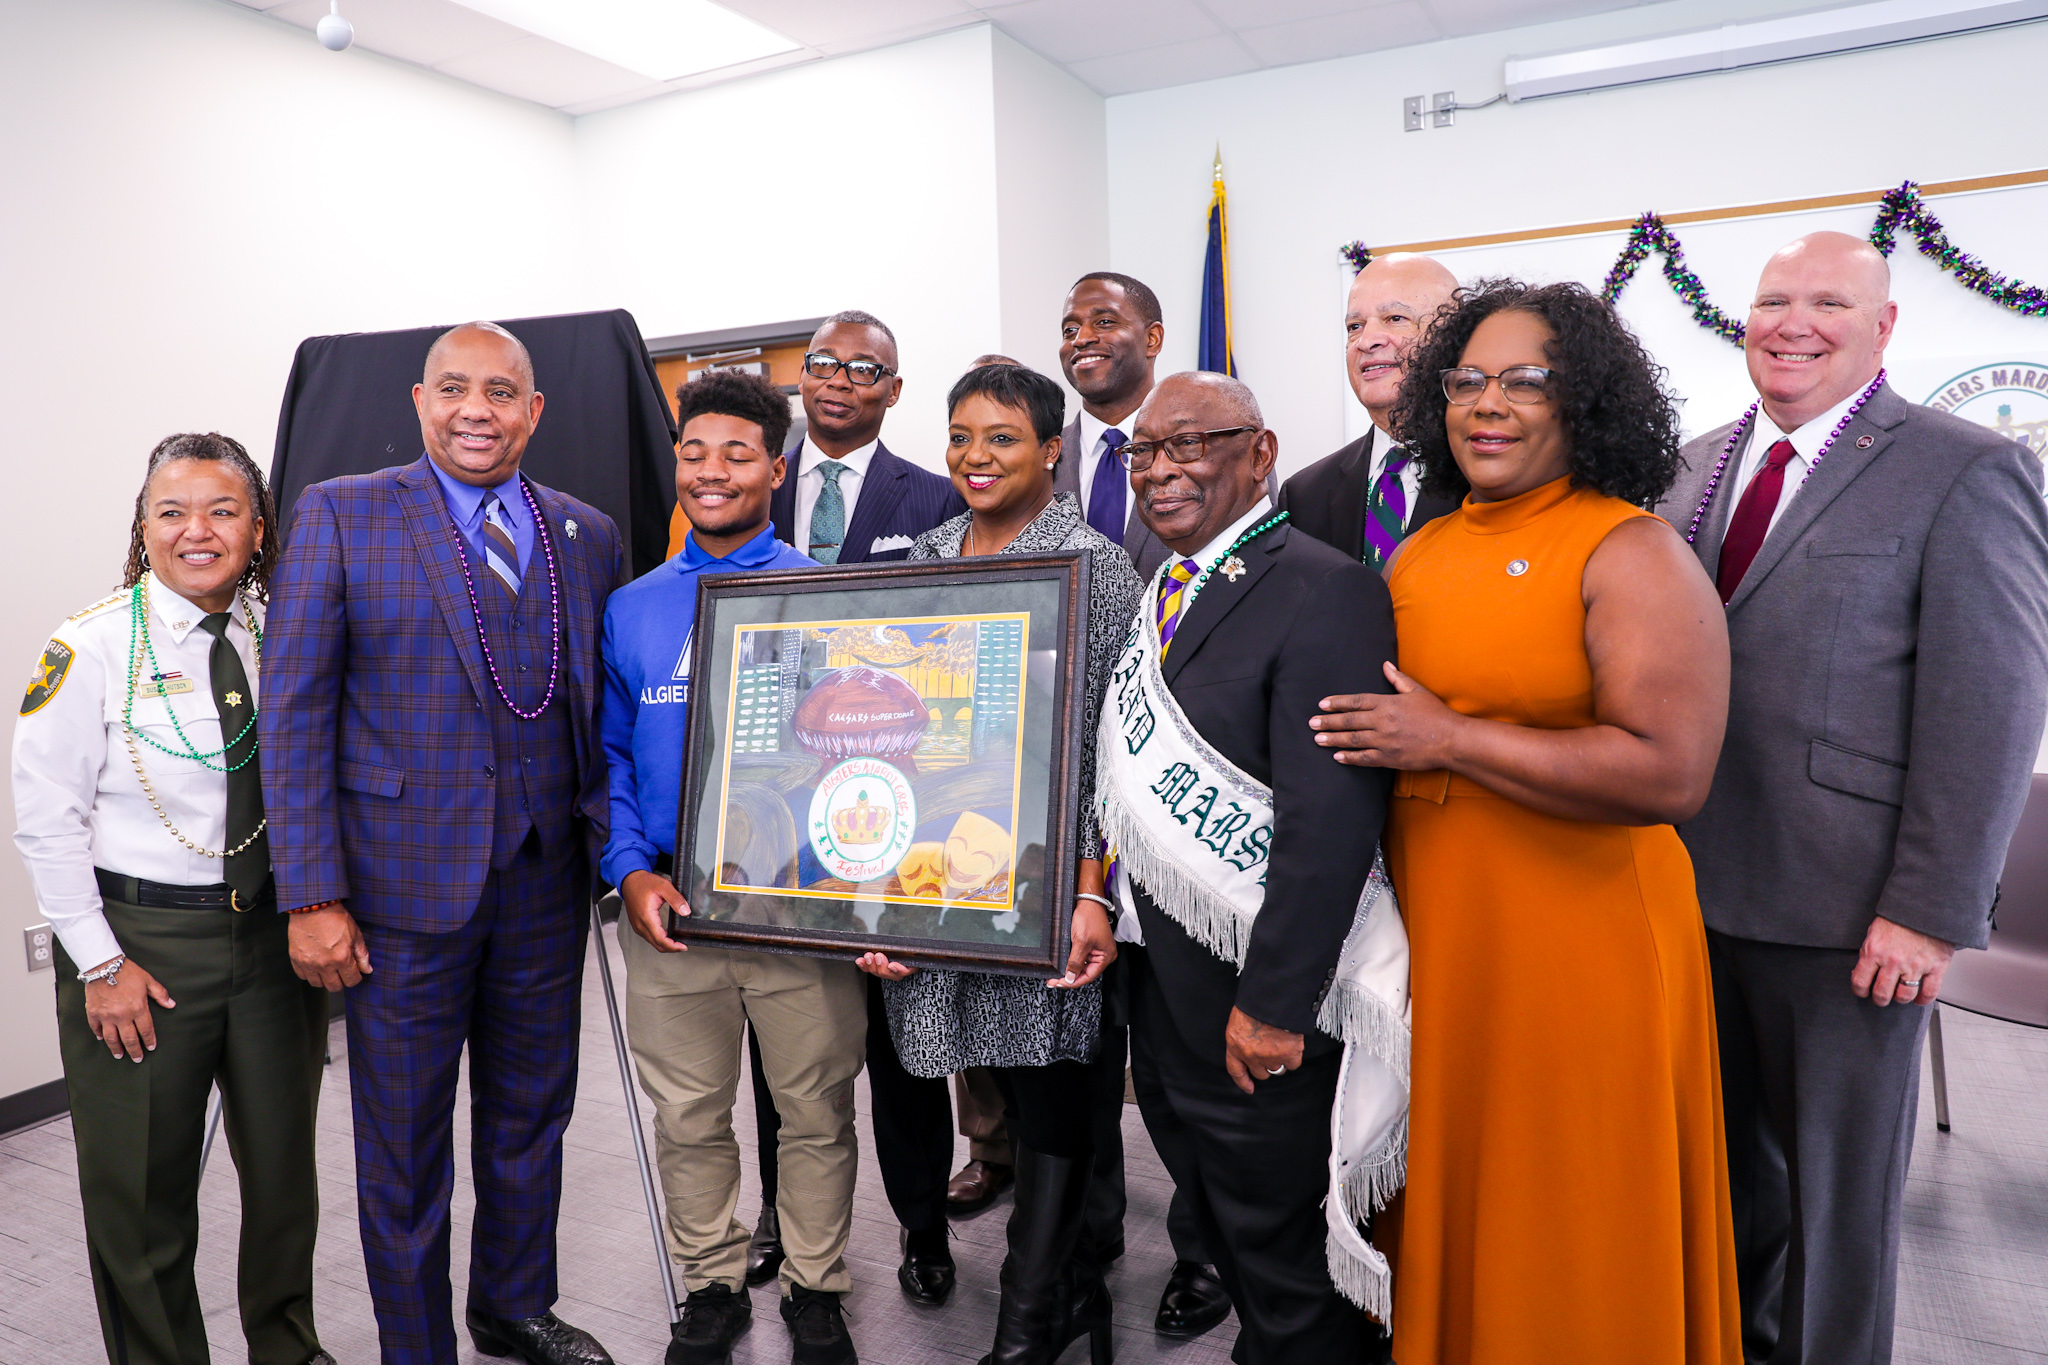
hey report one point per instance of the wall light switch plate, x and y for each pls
(1443, 108)
(1411, 114)
(39, 941)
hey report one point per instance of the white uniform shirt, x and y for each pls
(77, 800)
(810, 482)
(1090, 452)
(1128, 928)
(1410, 477)
(1806, 443)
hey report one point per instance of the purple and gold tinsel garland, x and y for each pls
(1899, 208)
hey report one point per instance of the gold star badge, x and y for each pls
(234, 699)
(1233, 568)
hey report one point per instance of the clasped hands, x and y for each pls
(1409, 728)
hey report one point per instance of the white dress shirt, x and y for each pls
(1806, 442)
(1410, 477)
(77, 800)
(1128, 929)
(1090, 455)
(810, 482)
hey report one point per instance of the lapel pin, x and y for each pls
(1233, 568)
(1518, 567)
(569, 528)
(1865, 442)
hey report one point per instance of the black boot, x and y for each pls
(764, 1250)
(1050, 1295)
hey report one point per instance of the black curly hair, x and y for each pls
(735, 393)
(1609, 394)
(211, 445)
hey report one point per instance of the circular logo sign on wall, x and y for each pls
(2011, 398)
(863, 817)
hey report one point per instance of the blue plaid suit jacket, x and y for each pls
(377, 763)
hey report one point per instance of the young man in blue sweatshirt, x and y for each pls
(686, 1006)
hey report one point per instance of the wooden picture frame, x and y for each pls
(886, 757)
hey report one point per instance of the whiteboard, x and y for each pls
(1952, 346)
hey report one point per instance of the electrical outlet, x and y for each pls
(1443, 108)
(39, 942)
(1411, 114)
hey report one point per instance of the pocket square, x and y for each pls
(884, 544)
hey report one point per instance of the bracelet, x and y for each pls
(1103, 901)
(309, 909)
(109, 972)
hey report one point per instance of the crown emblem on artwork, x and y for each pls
(861, 823)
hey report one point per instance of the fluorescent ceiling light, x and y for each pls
(1794, 36)
(661, 39)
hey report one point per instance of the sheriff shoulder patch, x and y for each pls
(48, 677)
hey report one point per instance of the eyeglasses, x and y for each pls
(1522, 384)
(1183, 447)
(818, 365)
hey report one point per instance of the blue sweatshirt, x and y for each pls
(648, 626)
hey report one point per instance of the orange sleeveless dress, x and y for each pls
(1567, 1189)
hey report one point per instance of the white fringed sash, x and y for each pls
(1196, 831)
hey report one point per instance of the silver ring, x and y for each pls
(1275, 1071)
(1914, 984)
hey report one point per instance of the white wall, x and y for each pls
(1315, 157)
(866, 182)
(192, 189)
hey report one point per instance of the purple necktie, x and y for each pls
(1106, 493)
(1386, 510)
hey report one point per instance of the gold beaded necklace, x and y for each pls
(138, 641)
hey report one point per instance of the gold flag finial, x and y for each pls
(1218, 176)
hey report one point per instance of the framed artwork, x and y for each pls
(887, 757)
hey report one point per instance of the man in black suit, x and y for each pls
(1235, 1082)
(852, 502)
(1110, 335)
(1367, 497)
(849, 500)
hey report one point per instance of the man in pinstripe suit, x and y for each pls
(436, 789)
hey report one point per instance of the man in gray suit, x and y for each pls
(1885, 570)
(1110, 337)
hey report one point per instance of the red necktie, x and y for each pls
(1752, 519)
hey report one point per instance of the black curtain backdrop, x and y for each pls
(606, 435)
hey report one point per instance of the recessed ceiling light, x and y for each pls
(661, 39)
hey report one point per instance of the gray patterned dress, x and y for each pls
(944, 1021)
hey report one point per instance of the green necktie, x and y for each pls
(248, 871)
(828, 518)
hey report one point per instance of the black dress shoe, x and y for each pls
(927, 1270)
(764, 1252)
(817, 1329)
(542, 1340)
(713, 1319)
(1194, 1301)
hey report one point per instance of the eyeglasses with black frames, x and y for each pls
(1183, 447)
(818, 365)
(1521, 384)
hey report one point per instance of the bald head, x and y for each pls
(514, 349)
(1819, 325)
(1188, 505)
(1392, 303)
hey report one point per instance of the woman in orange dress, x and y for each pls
(1562, 689)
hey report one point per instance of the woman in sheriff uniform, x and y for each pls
(137, 791)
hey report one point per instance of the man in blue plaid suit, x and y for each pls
(436, 789)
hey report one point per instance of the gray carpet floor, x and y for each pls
(1973, 1281)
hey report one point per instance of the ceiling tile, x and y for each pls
(1201, 59)
(1340, 35)
(827, 23)
(1461, 18)
(1074, 31)
(428, 32)
(1265, 13)
(546, 73)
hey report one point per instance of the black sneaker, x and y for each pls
(817, 1329)
(713, 1319)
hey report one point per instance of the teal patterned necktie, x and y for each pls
(828, 518)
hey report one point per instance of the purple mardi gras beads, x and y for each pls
(1735, 439)
(547, 546)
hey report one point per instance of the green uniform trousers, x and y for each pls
(244, 1019)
